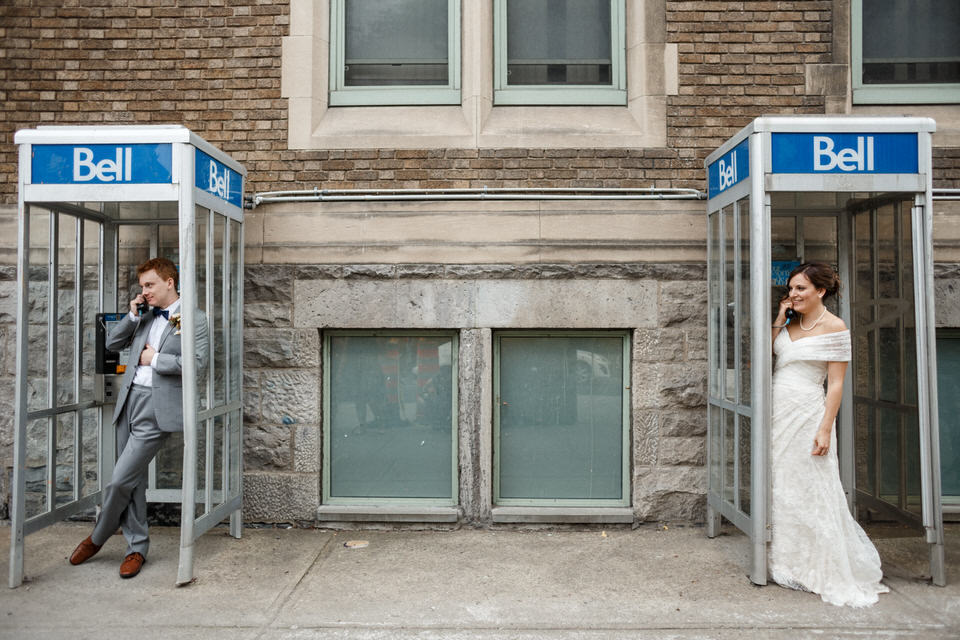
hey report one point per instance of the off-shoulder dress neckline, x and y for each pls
(819, 335)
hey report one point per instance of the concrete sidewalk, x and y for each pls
(651, 582)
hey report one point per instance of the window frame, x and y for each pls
(561, 95)
(625, 499)
(397, 95)
(325, 495)
(940, 93)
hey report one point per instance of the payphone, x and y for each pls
(109, 364)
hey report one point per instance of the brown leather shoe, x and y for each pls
(84, 551)
(131, 565)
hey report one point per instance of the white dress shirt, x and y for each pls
(144, 373)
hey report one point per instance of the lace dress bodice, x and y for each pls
(816, 545)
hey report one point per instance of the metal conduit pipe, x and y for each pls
(946, 194)
(482, 193)
(498, 193)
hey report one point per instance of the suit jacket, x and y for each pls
(167, 375)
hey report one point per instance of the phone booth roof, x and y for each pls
(833, 153)
(126, 164)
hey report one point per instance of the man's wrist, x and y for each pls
(153, 360)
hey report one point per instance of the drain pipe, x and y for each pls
(480, 193)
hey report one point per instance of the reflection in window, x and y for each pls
(561, 418)
(391, 416)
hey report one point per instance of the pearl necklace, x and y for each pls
(816, 322)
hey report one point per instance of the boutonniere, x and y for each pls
(175, 323)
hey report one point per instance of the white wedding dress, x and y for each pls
(816, 544)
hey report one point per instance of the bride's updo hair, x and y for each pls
(821, 275)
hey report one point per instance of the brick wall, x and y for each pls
(215, 66)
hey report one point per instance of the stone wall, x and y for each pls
(8, 364)
(288, 306)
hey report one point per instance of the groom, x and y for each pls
(149, 408)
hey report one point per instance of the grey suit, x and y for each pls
(144, 417)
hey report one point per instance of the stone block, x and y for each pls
(683, 451)
(290, 397)
(670, 493)
(266, 314)
(683, 304)
(281, 348)
(8, 302)
(306, 449)
(658, 345)
(280, 497)
(268, 283)
(444, 303)
(646, 437)
(683, 385)
(267, 447)
(251, 406)
(683, 422)
(318, 272)
(826, 79)
(645, 386)
(696, 343)
(7, 407)
(370, 271)
(947, 297)
(8, 351)
(573, 303)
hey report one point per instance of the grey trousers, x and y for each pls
(125, 498)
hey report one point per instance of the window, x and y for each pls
(906, 51)
(557, 52)
(394, 52)
(625, 110)
(561, 419)
(390, 409)
(948, 398)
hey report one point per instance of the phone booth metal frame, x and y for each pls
(774, 156)
(80, 189)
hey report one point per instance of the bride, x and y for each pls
(816, 545)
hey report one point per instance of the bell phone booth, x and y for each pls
(854, 192)
(94, 203)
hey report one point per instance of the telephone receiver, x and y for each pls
(791, 314)
(142, 308)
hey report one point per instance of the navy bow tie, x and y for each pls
(161, 312)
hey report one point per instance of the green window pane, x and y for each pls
(395, 42)
(911, 41)
(559, 42)
(948, 396)
(561, 417)
(391, 416)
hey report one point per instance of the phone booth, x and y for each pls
(854, 192)
(95, 202)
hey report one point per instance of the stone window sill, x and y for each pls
(563, 515)
(371, 513)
